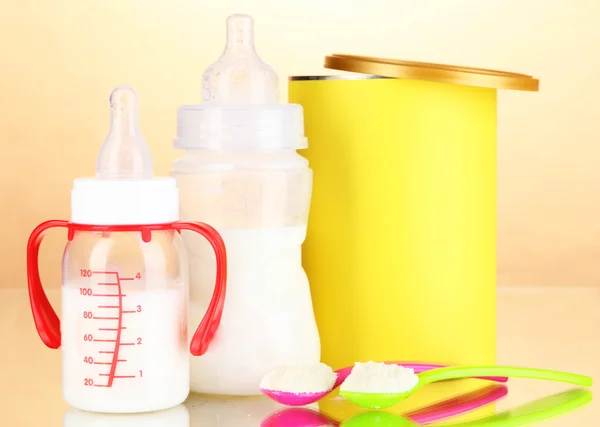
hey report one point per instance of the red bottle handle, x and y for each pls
(212, 318)
(46, 321)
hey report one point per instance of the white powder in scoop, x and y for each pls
(313, 378)
(379, 377)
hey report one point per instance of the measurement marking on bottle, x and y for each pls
(114, 327)
(113, 367)
(118, 376)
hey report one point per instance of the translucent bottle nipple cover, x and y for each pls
(240, 76)
(124, 154)
(240, 109)
(124, 190)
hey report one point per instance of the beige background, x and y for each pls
(61, 58)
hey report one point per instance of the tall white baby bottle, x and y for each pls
(124, 328)
(240, 172)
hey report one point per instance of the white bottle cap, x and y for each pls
(240, 109)
(124, 191)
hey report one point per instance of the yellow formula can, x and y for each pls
(401, 245)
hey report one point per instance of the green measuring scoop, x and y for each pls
(385, 400)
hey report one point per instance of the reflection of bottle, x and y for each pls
(173, 417)
(247, 411)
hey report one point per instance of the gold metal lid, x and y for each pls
(467, 76)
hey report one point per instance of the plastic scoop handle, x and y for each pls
(457, 372)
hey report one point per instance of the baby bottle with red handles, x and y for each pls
(123, 328)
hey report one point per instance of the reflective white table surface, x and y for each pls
(544, 328)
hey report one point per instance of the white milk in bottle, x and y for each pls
(240, 171)
(148, 323)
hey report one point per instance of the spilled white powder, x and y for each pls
(378, 377)
(312, 378)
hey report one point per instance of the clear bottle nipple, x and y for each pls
(239, 76)
(124, 154)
